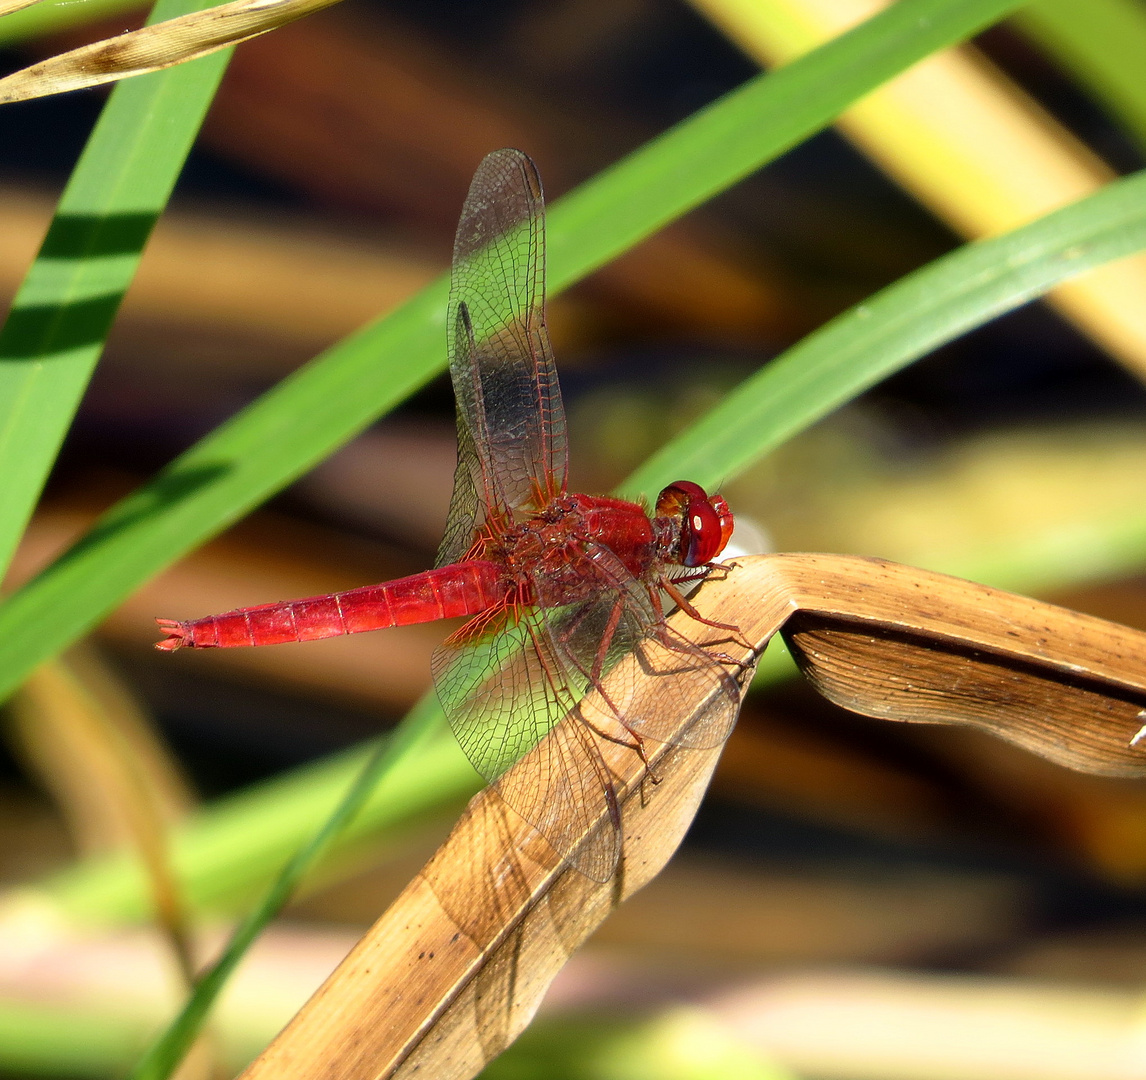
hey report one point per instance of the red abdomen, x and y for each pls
(464, 588)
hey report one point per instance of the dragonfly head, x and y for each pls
(704, 520)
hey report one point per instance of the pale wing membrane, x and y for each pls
(501, 362)
(465, 508)
(621, 619)
(503, 695)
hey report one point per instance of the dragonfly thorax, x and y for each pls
(551, 546)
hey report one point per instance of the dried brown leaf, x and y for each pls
(152, 48)
(906, 644)
(455, 969)
(452, 973)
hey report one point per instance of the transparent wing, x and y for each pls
(507, 691)
(465, 508)
(511, 423)
(503, 695)
(621, 619)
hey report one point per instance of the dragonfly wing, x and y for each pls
(524, 685)
(501, 362)
(697, 699)
(465, 507)
(503, 694)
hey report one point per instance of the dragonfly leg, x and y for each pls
(606, 641)
(666, 639)
(640, 748)
(593, 676)
(638, 743)
(630, 739)
(683, 603)
(703, 573)
(634, 741)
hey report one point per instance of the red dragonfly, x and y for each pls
(557, 587)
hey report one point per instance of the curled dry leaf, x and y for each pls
(455, 969)
(152, 48)
(905, 644)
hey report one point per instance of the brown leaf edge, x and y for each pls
(906, 644)
(152, 48)
(10, 7)
(455, 969)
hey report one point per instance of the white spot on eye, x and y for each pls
(697, 523)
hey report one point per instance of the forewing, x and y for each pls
(501, 361)
(465, 506)
(621, 619)
(503, 694)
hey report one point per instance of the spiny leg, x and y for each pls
(683, 603)
(634, 741)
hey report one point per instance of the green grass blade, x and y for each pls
(1103, 42)
(64, 309)
(49, 18)
(732, 138)
(164, 1056)
(225, 854)
(311, 413)
(898, 325)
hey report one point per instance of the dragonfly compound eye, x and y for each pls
(705, 524)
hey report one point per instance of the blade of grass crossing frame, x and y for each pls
(168, 1051)
(309, 414)
(64, 309)
(899, 324)
(729, 140)
(225, 854)
(1103, 42)
(44, 18)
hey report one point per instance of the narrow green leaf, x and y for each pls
(49, 18)
(225, 854)
(64, 309)
(309, 414)
(162, 1059)
(1104, 43)
(744, 130)
(898, 325)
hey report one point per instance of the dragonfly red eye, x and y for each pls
(705, 523)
